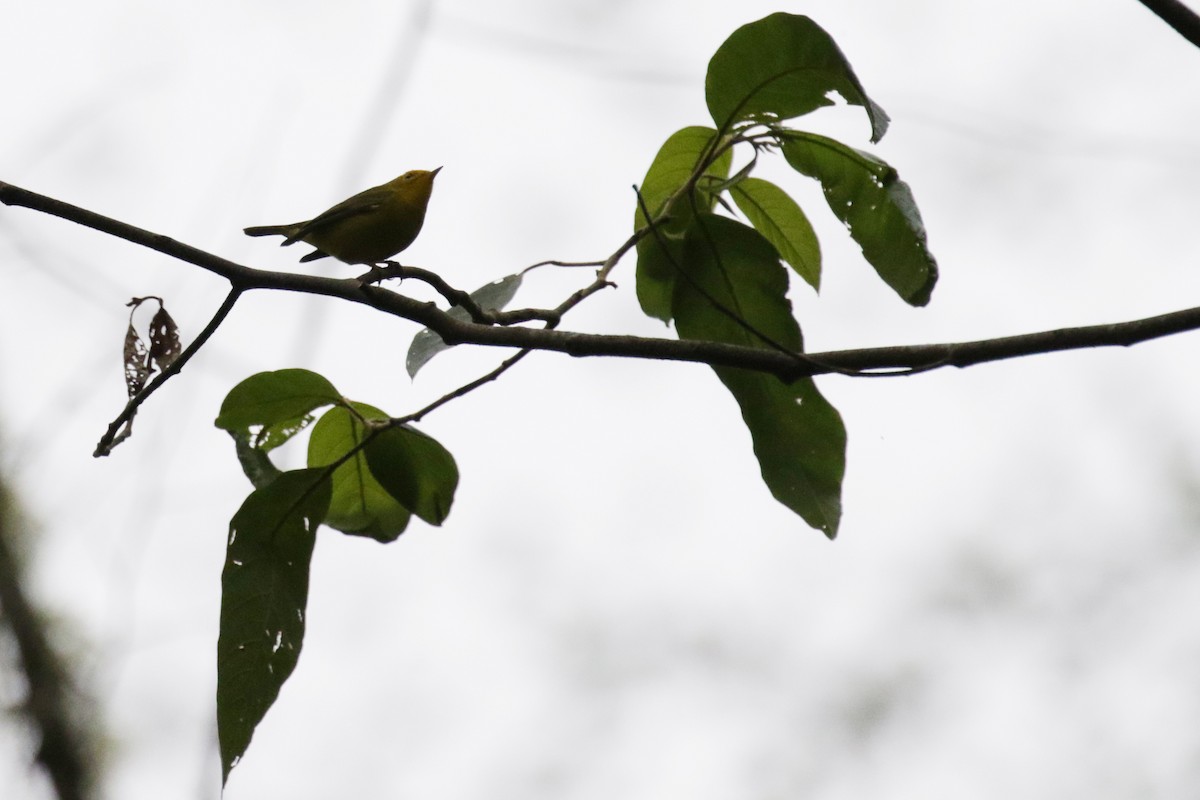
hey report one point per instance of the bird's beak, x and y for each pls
(433, 173)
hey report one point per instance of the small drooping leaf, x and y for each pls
(359, 505)
(780, 67)
(775, 215)
(673, 166)
(164, 339)
(877, 208)
(737, 294)
(140, 361)
(137, 364)
(415, 470)
(273, 406)
(264, 592)
(491, 297)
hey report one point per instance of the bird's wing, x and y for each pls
(361, 203)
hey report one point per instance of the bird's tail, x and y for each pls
(271, 230)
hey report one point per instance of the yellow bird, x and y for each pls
(368, 228)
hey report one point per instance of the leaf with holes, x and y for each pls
(264, 591)
(272, 407)
(164, 339)
(877, 208)
(780, 67)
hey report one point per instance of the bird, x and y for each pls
(368, 228)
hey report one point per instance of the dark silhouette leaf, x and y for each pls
(264, 592)
(736, 294)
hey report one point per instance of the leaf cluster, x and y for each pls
(367, 475)
(721, 280)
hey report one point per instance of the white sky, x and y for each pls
(616, 606)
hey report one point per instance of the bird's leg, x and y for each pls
(376, 273)
(398, 267)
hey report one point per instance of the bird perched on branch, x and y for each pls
(368, 228)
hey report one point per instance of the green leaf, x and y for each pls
(780, 67)
(359, 505)
(798, 436)
(877, 208)
(657, 268)
(415, 470)
(776, 216)
(492, 297)
(673, 166)
(264, 591)
(274, 406)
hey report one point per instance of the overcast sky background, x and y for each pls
(617, 607)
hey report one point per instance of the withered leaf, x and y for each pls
(164, 339)
(137, 364)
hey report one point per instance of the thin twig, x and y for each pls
(569, 264)
(505, 366)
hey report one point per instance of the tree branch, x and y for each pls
(1185, 21)
(898, 360)
(865, 362)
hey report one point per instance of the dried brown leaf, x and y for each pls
(137, 362)
(164, 339)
